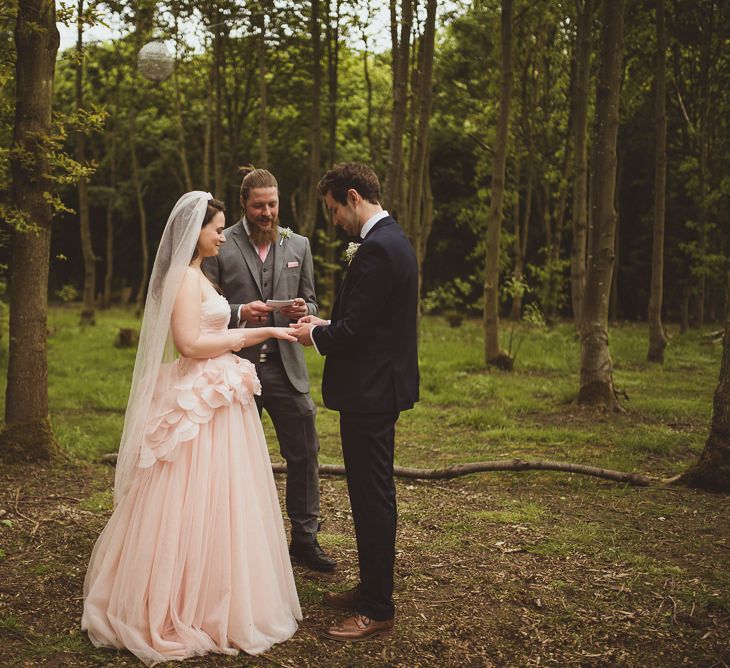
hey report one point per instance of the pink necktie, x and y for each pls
(263, 252)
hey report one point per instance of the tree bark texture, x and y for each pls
(311, 199)
(413, 223)
(492, 351)
(657, 338)
(394, 189)
(712, 471)
(264, 7)
(111, 148)
(87, 247)
(369, 95)
(27, 433)
(528, 96)
(139, 196)
(179, 123)
(580, 182)
(596, 372)
(333, 63)
(218, 185)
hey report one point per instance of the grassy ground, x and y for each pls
(494, 569)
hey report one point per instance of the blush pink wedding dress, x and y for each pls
(194, 558)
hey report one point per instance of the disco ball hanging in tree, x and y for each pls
(154, 61)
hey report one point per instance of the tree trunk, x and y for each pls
(27, 432)
(139, 195)
(180, 128)
(712, 471)
(703, 139)
(613, 310)
(580, 183)
(111, 146)
(684, 311)
(333, 56)
(264, 8)
(522, 221)
(516, 309)
(87, 248)
(208, 133)
(492, 353)
(218, 185)
(309, 217)
(393, 194)
(416, 210)
(657, 339)
(596, 373)
(372, 152)
(413, 223)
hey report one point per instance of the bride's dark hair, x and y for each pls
(214, 206)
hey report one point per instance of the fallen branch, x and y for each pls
(475, 467)
(503, 465)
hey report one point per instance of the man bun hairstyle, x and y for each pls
(350, 175)
(255, 178)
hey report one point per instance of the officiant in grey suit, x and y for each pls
(264, 261)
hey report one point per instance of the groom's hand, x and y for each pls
(303, 331)
(313, 320)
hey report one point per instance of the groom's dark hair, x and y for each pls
(350, 175)
(255, 178)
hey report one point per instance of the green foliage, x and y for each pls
(67, 293)
(552, 279)
(459, 296)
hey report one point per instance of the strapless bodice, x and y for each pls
(215, 313)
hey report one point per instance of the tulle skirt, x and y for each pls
(194, 558)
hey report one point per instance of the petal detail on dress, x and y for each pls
(194, 390)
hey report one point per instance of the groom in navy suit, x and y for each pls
(370, 376)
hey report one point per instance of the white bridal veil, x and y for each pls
(177, 245)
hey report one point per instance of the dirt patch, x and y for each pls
(499, 569)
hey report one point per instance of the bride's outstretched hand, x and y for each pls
(283, 333)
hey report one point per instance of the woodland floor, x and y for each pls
(505, 570)
(499, 569)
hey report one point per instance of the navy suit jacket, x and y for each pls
(370, 345)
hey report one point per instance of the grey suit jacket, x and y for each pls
(236, 271)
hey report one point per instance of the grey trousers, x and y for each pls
(292, 414)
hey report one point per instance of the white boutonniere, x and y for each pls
(350, 251)
(284, 233)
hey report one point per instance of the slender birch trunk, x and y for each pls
(492, 352)
(260, 18)
(311, 199)
(393, 193)
(580, 183)
(87, 248)
(657, 339)
(596, 372)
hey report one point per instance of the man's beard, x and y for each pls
(261, 237)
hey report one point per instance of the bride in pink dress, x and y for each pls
(194, 558)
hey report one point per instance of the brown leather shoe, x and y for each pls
(357, 628)
(342, 600)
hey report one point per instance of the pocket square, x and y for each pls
(291, 265)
